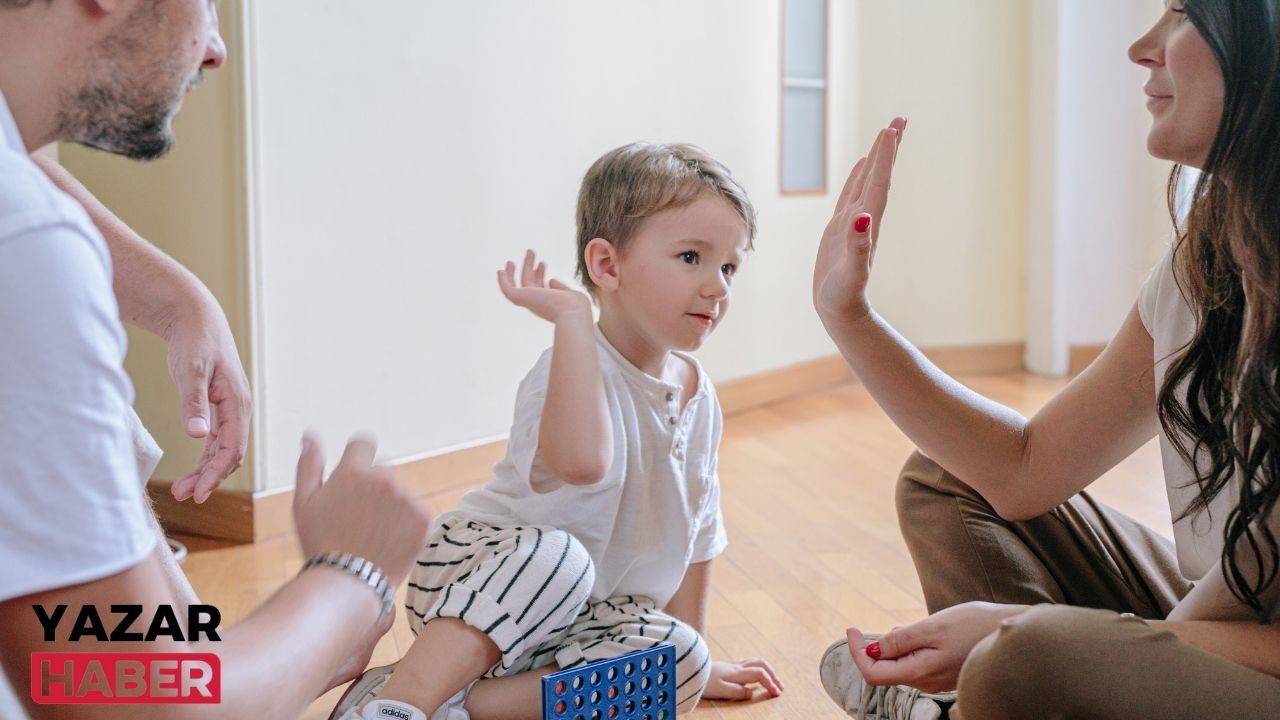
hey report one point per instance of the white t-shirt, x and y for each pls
(654, 513)
(72, 506)
(1199, 539)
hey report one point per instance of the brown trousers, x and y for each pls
(1078, 657)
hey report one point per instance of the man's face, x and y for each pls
(139, 74)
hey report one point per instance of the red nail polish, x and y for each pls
(862, 222)
(873, 650)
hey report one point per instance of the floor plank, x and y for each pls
(807, 493)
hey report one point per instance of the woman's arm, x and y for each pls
(1023, 468)
(1246, 643)
(574, 434)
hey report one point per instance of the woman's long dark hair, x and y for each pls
(1227, 262)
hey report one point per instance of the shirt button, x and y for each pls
(670, 397)
(673, 420)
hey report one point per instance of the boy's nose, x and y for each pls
(717, 287)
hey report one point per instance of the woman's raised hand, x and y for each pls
(849, 243)
(548, 300)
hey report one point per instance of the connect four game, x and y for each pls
(636, 686)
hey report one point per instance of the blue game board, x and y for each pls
(636, 686)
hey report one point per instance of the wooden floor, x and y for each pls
(807, 491)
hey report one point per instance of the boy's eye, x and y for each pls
(689, 256)
(728, 269)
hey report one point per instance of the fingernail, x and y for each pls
(873, 650)
(861, 223)
(197, 425)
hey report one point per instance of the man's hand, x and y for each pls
(157, 294)
(928, 654)
(549, 301)
(361, 509)
(216, 400)
(735, 680)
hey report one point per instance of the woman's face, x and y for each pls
(1185, 92)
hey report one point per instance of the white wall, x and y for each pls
(190, 205)
(403, 155)
(1098, 220)
(950, 267)
(350, 200)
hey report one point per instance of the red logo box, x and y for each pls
(70, 678)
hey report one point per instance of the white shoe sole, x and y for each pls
(362, 690)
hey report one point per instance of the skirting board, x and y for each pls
(247, 517)
(1080, 357)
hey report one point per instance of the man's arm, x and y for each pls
(157, 294)
(283, 655)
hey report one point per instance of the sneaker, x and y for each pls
(365, 689)
(362, 690)
(843, 682)
(391, 710)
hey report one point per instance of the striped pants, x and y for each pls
(528, 588)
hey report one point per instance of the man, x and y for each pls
(73, 529)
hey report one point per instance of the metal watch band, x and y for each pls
(362, 569)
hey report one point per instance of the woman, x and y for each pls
(1044, 602)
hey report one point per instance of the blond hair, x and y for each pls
(630, 183)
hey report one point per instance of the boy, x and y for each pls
(595, 537)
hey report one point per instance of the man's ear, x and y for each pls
(602, 263)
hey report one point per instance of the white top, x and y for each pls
(1171, 323)
(1199, 539)
(72, 507)
(655, 512)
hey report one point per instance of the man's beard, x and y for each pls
(108, 117)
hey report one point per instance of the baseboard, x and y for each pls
(978, 359)
(442, 477)
(227, 514)
(1080, 357)
(775, 385)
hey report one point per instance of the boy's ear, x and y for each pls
(602, 263)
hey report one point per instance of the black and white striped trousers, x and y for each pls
(528, 588)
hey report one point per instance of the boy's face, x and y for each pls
(676, 275)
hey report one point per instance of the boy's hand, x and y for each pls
(849, 243)
(734, 680)
(549, 301)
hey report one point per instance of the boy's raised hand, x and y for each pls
(548, 300)
(848, 244)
